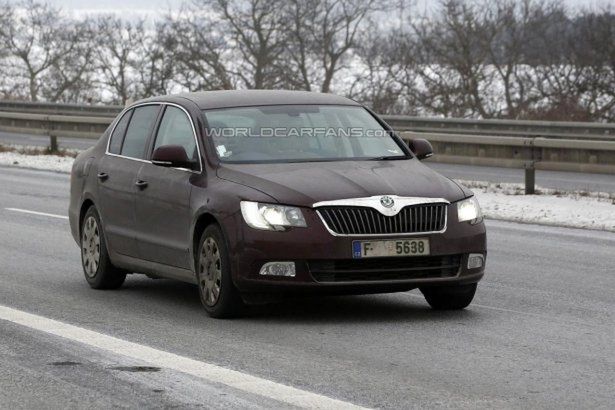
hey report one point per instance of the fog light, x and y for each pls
(279, 269)
(475, 260)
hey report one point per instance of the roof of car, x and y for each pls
(245, 98)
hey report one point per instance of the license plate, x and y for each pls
(393, 247)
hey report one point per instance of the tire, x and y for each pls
(449, 297)
(97, 267)
(218, 293)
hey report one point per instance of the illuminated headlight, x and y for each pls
(271, 217)
(469, 210)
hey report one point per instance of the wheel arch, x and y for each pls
(201, 223)
(85, 205)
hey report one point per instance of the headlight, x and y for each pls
(469, 210)
(271, 217)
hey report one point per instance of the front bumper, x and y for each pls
(313, 247)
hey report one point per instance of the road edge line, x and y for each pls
(159, 358)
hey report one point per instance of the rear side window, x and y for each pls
(118, 133)
(176, 129)
(138, 130)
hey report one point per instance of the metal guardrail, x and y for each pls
(54, 126)
(530, 145)
(87, 110)
(528, 153)
(547, 129)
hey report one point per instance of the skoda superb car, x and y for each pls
(256, 194)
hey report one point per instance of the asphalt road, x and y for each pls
(547, 179)
(539, 335)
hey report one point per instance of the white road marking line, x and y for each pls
(210, 372)
(25, 211)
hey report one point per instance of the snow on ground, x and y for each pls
(47, 162)
(591, 210)
(570, 211)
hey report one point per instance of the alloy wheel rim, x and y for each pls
(90, 247)
(210, 271)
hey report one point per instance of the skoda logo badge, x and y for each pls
(387, 201)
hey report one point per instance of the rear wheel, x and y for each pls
(97, 267)
(449, 297)
(219, 295)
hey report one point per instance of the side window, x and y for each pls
(176, 129)
(138, 130)
(118, 133)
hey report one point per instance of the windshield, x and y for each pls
(293, 133)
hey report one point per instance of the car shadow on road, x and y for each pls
(396, 307)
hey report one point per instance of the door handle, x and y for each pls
(141, 184)
(102, 176)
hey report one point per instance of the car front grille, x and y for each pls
(357, 220)
(385, 269)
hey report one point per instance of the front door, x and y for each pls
(163, 201)
(163, 216)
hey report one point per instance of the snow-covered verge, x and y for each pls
(578, 209)
(47, 162)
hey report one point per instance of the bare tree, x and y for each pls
(386, 64)
(593, 53)
(300, 70)
(451, 69)
(71, 78)
(507, 24)
(470, 58)
(257, 32)
(118, 41)
(37, 39)
(322, 33)
(200, 53)
(155, 66)
(558, 77)
(6, 15)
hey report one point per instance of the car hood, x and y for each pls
(303, 184)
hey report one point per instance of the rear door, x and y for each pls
(117, 175)
(163, 204)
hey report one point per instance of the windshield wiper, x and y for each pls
(389, 158)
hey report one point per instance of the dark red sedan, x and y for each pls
(256, 194)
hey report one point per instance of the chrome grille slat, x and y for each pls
(368, 224)
(421, 220)
(358, 220)
(346, 222)
(379, 219)
(336, 223)
(355, 219)
(431, 218)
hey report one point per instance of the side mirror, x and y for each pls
(421, 148)
(172, 156)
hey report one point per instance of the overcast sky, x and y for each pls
(158, 6)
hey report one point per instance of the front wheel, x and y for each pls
(97, 267)
(449, 297)
(219, 295)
